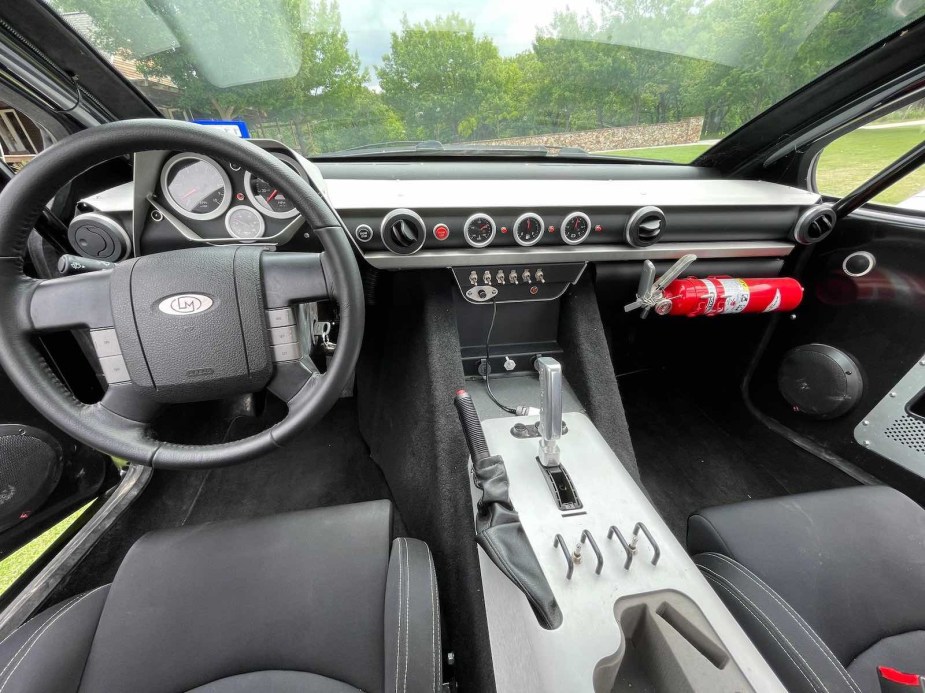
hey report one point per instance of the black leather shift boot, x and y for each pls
(499, 532)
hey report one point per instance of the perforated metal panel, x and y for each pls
(891, 431)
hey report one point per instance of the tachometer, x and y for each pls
(528, 229)
(575, 228)
(244, 223)
(266, 197)
(480, 230)
(196, 186)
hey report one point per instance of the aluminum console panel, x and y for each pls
(583, 654)
(891, 431)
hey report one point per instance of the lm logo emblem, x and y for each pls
(185, 304)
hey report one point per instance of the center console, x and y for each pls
(634, 612)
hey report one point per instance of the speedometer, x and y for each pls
(266, 197)
(196, 186)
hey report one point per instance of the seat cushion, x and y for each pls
(849, 563)
(904, 652)
(312, 601)
(301, 591)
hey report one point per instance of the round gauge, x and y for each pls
(244, 223)
(528, 229)
(480, 230)
(575, 228)
(196, 186)
(266, 197)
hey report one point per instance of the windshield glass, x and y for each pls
(659, 79)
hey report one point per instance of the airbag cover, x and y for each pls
(193, 327)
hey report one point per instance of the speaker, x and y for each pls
(31, 461)
(820, 381)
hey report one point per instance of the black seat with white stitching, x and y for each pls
(829, 585)
(318, 601)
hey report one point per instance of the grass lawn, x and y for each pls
(19, 561)
(844, 164)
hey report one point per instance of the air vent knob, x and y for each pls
(403, 231)
(645, 227)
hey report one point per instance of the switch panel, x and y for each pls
(517, 283)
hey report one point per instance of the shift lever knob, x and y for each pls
(550, 427)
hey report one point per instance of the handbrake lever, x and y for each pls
(497, 525)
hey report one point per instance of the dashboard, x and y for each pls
(498, 223)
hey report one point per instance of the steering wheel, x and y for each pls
(190, 325)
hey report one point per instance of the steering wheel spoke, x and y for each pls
(294, 278)
(80, 301)
(290, 378)
(128, 401)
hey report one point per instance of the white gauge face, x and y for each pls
(244, 223)
(196, 186)
(266, 197)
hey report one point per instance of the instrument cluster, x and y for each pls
(200, 189)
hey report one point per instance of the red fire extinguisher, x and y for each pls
(713, 295)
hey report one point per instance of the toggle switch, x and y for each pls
(527, 278)
(500, 277)
(473, 278)
(486, 277)
(512, 278)
(540, 277)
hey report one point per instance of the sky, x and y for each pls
(511, 24)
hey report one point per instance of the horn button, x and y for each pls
(191, 323)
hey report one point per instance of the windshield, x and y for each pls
(659, 79)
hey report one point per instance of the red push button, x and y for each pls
(441, 232)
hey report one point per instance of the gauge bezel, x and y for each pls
(180, 209)
(252, 198)
(565, 222)
(523, 217)
(494, 230)
(232, 234)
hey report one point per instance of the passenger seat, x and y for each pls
(829, 585)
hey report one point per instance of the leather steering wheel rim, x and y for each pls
(121, 436)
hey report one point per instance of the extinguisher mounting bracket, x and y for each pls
(651, 292)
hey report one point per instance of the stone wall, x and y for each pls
(684, 131)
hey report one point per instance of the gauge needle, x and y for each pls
(272, 195)
(185, 195)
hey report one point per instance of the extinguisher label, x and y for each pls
(710, 297)
(737, 295)
(775, 303)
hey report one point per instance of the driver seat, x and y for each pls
(314, 601)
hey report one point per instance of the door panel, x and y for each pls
(877, 319)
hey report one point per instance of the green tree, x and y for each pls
(438, 76)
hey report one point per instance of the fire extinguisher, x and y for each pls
(694, 296)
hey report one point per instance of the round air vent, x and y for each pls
(645, 226)
(98, 236)
(403, 231)
(814, 224)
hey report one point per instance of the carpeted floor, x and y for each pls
(328, 465)
(697, 446)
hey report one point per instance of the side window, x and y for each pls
(859, 155)
(20, 138)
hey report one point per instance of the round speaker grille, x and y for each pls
(820, 381)
(30, 467)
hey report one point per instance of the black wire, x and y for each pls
(491, 326)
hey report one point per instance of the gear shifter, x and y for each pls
(550, 427)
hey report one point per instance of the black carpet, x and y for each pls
(328, 465)
(697, 446)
